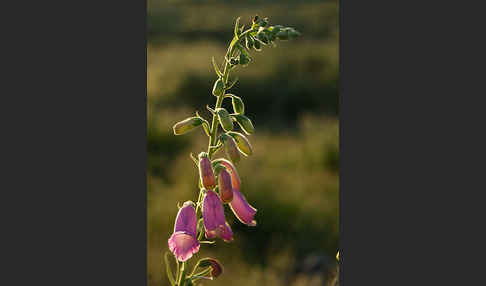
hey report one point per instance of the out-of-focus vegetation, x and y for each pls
(290, 94)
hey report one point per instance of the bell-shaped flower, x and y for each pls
(240, 207)
(183, 242)
(213, 217)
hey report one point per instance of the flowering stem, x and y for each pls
(219, 99)
(221, 116)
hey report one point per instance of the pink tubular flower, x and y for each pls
(183, 242)
(206, 171)
(240, 207)
(235, 179)
(225, 187)
(213, 218)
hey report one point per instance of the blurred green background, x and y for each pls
(290, 93)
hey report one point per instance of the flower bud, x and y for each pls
(263, 38)
(230, 148)
(206, 173)
(218, 88)
(244, 59)
(235, 178)
(293, 33)
(242, 143)
(255, 19)
(271, 37)
(224, 119)
(225, 188)
(245, 123)
(257, 45)
(216, 267)
(249, 42)
(275, 29)
(283, 35)
(234, 61)
(238, 105)
(263, 22)
(187, 125)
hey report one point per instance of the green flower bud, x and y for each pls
(244, 59)
(283, 35)
(275, 29)
(257, 45)
(255, 19)
(234, 61)
(271, 37)
(187, 125)
(218, 88)
(245, 123)
(224, 119)
(263, 38)
(242, 143)
(263, 22)
(249, 42)
(238, 105)
(293, 33)
(230, 148)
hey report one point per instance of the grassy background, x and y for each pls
(290, 94)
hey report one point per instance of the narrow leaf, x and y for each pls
(169, 270)
(237, 24)
(232, 83)
(216, 69)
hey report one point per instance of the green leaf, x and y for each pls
(168, 269)
(216, 69)
(244, 122)
(218, 87)
(238, 105)
(257, 45)
(242, 142)
(206, 129)
(244, 56)
(187, 125)
(224, 119)
(237, 24)
(232, 83)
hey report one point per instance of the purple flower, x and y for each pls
(213, 218)
(206, 171)
(225, 187)
(240, 207)
(242, 210)
(183, 242)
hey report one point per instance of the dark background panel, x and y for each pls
(73, 143)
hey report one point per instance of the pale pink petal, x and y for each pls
(183, 245)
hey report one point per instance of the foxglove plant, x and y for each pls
(219, 182)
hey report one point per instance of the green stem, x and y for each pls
(214, 134)
(219, 99)
(183, 275)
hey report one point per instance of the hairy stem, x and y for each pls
(219, 99)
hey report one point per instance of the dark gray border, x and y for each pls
(74, 120)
